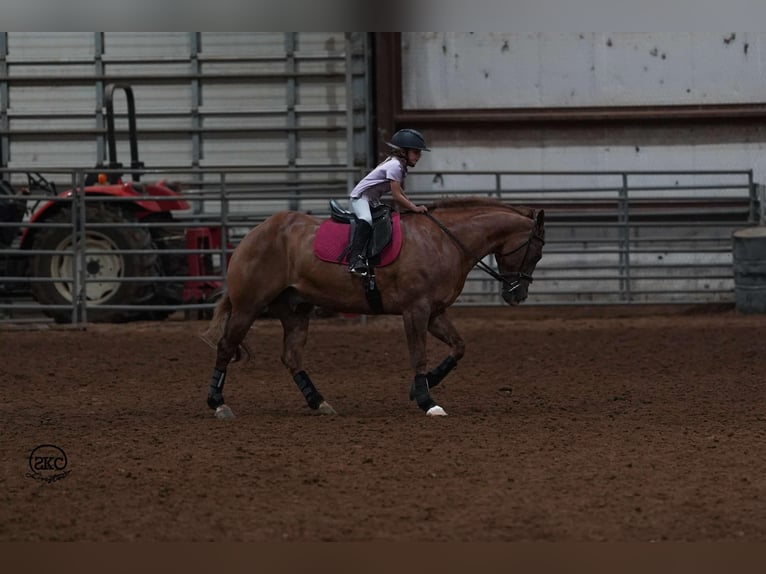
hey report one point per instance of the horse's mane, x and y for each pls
(461, 203)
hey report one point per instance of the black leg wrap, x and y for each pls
(436, 374)
(215, 390)
(312, 395)
(419, 392)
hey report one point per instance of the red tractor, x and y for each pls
(151, 204)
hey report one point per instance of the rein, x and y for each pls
(511, 281)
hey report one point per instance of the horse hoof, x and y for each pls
(436, 411)
(324, 408)
(223, 412)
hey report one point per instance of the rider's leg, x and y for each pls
(357, 260)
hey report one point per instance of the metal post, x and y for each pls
(195, 43)
(624, 237)
(756, 204)
(369, 133)
(291, 120)
(350, 179)
(224, 228)
(5, 144)
(79, 257)
(98, 51)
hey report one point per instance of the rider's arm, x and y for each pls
(402, 200)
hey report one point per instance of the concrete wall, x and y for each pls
(568, 71)
(497, 70)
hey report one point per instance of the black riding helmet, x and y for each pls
(408, 139)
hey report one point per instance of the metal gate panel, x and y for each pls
(37, 152)
(147, 45)
(155, 104)
(70, 102)
(251, 44)
(202, 98)
(265, 150)
(314, 149)
(42, 46)
(320, 43)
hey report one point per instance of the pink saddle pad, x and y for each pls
(333, 237)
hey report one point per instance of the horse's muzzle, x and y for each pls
(516, 296)
(516, 291)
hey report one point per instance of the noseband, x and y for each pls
(512, 280)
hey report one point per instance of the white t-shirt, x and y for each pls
(378, 181)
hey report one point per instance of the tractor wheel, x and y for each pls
(168, 265)
(103, 267)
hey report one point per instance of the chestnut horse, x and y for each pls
(274, 267)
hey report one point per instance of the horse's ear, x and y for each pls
(541, 218)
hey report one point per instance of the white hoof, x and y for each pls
(223, 412)
(325, 408)
(436, 411)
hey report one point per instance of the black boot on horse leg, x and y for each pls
(443, 329)
(419, 392)
(215, 395)
(433, 378)
(313, 397)
(357, 257)
(295, 326)
(438, 373)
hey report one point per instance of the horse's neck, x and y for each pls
(482, 232)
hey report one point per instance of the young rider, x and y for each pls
(388, 176)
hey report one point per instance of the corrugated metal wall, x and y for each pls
(202, 98)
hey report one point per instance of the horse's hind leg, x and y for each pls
(235, 329)
(443, 329)
(295, 324)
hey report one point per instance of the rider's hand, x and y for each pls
(420, 209)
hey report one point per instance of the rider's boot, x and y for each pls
(357, 261)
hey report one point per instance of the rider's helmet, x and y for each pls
(408, 139)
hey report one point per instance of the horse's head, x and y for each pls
(517, 261)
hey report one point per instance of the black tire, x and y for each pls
(168, 265)
(104, 265)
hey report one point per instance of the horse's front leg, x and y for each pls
(416, 326)
(443, 329)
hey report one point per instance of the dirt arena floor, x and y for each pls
(586, 424)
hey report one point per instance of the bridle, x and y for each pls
(511, 280)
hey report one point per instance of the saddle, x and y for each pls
(333, 243)
(334, 236)
(381, 227)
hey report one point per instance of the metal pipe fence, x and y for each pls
(612, 237)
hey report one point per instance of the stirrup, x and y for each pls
(359, 267)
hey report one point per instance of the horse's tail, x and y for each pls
(217, 325)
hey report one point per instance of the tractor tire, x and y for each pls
(168, 265)
(106, 266)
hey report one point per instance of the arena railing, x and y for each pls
(642, 237)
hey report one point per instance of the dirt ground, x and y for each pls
(581, 424)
